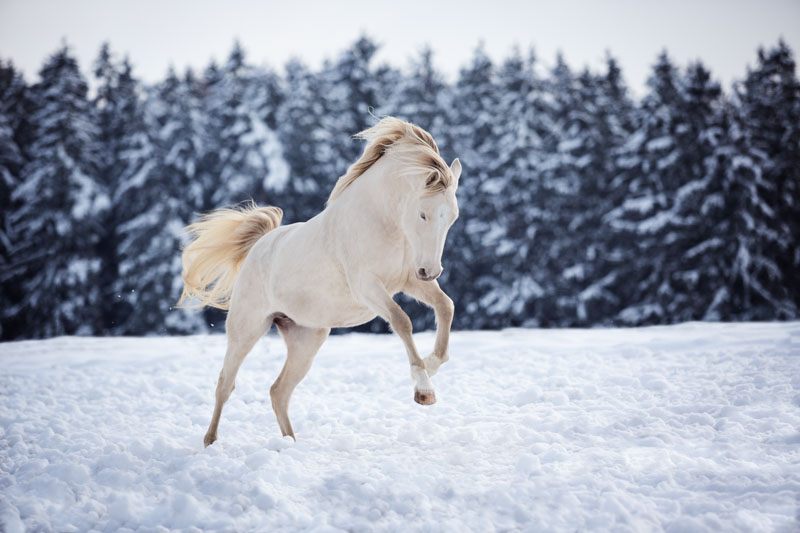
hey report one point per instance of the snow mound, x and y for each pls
(681, 428)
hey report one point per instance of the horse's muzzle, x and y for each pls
(424, 275)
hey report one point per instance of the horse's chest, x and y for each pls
(392, 267)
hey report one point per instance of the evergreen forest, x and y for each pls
(581, 205)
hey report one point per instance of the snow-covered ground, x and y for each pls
(686, 428)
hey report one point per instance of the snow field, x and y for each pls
(681, 428)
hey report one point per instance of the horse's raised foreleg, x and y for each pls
(243, 329)
(373, 294)
(302, 345)
(429, 293)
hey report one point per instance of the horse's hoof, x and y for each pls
(424, 398)
(209, 440)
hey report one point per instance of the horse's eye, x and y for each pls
(422, 216)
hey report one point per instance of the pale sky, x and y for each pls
(157, 33)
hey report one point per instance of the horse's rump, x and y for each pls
(221, 240)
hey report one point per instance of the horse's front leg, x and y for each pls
(373, 294)
(429, 293)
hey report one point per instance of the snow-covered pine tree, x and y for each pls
(304, 141)
(470, 122)
(57, 224)
(387, 81)
(560, 175)
(264, 96)
(600, 123)
(697, 230)
(202, 88)
(13, 92)
(662, 215)
(243, 149)
(650, 173)
(225, 121)
(766, 169)
(419, 96)
(159, 194)
(720, 207)
(123, 152)
(128, 136)
(506, 200)
(349, 91)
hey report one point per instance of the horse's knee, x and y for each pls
(448, 308)
(451, 307)
(401, 324)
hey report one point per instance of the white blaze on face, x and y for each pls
(426, 223)
(436, 214)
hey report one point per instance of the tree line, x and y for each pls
(580, 205)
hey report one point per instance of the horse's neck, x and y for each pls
(378, 196)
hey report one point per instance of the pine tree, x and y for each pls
(349, 92)
(124, 155)
(160, 196)
(691, 276)
(559, 180)
(578, 206)
(766, 170)
(242, 146)
(506, 200)
(657, 218)
(304, 140)
(61, 203)
(642, 193)
(469, 134)
(264, 96)
(418, 96)
(598, 122)
(13, 94)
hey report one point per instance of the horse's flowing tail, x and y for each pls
(221, 240)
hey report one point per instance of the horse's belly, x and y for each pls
(355, 316)
(326, 301)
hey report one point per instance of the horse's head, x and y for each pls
(426, 220)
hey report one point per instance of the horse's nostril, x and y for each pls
(421, 273)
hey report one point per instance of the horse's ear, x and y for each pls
(455, 168)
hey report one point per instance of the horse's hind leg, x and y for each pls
(244, 328)
(302, 345)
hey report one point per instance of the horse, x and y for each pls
(382, 231)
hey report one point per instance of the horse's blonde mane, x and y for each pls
(412, 144)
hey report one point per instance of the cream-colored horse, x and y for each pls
(382, 232)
